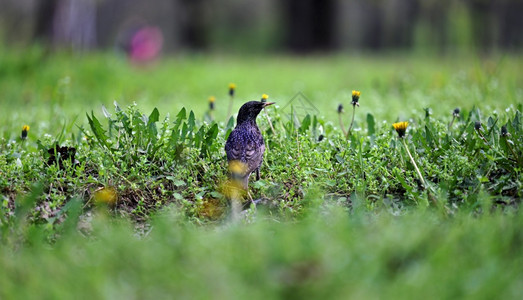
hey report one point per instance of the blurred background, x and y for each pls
(269, 26)
(60, 58)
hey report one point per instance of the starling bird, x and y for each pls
(245, 146)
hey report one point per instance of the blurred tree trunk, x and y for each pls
(481, 28)
(195, 24)
(374, 25)
(44, 11)
(511, 24)
(74, 24)
(400, 15)
(310, 24)
(437, 15)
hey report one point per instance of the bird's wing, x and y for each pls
(245, 147)
(233, 146)
(254, 155)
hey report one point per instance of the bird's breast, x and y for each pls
(244, 143)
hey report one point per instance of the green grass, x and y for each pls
(342, 218)
(37, 87)
(332, 255)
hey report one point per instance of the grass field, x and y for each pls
(37, 87)
(130, 200)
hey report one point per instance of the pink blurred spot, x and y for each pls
(146, 44)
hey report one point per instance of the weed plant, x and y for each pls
(151, 162)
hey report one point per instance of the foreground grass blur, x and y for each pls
(328, 253)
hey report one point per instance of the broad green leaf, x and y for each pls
(97, 130)
(210, 137)
(154, 116)
(151, 125)
(105, 112)
(370, 124)
(191, 121)
(185, 130)
(212, 133)
(182, 115)
(198, 137)
(305, 124)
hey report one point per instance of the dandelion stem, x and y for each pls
(512, 150)
(430, 192)
(414, 163)
(269, 120)
(236, 206)
(229, 110)
(351, 122)
(482, 137)
(452, 122)
(340, 164)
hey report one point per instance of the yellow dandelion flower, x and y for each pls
(401, 128)
(212, 209)
(233, 188)
(212, 99)
(106, 195)
(264, 98)
(25, 130)
(237, 167)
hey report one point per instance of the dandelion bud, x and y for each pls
(211, 102)
(340, 108)
(504, 131)
(477, 125)
(232, 87)
(455, 113)
(427, 112)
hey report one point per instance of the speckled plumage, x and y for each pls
(245, 143)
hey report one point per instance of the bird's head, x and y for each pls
(250, 110)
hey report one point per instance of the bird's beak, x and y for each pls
(268, 103)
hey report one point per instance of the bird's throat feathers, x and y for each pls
(245, 121)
